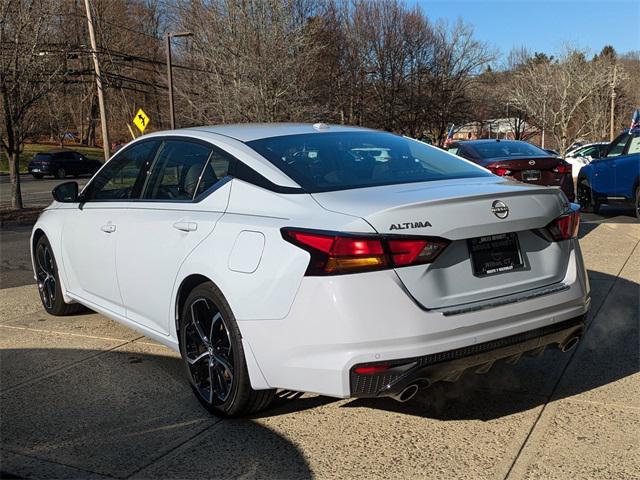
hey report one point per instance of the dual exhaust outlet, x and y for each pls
(410, 391)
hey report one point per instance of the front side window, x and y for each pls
(344, 160)
(121, 177)
(634, 146)
(617, 146)
(179, 171)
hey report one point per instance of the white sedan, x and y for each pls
(288, 256)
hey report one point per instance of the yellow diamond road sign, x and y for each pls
(141, 120)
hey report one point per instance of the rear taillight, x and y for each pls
(338, 253)
(564, 227)
(563, 167)
(500, 171)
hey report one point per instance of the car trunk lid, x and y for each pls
(461, 210)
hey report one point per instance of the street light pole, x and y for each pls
(613, 102)
(172, 112)
(544, 117)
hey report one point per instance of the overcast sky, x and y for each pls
(545, 25)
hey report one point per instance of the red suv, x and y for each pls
(519, 160)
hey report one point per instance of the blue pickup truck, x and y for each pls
(613, 178)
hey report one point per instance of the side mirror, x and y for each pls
(66, 192)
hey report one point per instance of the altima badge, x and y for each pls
(406, 225)
(499, 209)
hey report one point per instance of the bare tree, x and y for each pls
(254, 60)
(28, 64)
(555, 94)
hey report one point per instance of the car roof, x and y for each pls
(489, 140)
(53, 152)
(246, 132)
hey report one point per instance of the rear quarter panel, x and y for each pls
(268, 290)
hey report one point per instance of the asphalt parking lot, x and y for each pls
(34, 192)
(82, 397)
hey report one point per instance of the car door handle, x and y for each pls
(108, 228)
(186, 226)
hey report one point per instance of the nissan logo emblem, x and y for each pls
(499, 209)
(532, 162)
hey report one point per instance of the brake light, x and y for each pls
(413, 252)
(500, 171)
(338, 253)
(372, 369)
(564, 227)
(563, 167)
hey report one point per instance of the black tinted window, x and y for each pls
(217, 168)
(178, 170)
(120, 179)
(43, 157)
(616, 148)
(344, 160)
(505, 149)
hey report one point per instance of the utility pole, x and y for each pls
(172, 111)
(613, 101)
(544, 117)
(96, 65)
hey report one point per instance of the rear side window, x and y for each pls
(343, 160)
(176, 171)
(505, 149)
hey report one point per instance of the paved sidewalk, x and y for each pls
(82, 397)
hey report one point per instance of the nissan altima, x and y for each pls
(318, 258)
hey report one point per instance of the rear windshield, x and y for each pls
(43, 156)
(321, 162)
(505, 149)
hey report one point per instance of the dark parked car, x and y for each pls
(62, 163)
(519, 160)
(615, 177)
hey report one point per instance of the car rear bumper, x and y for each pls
(336, 323)
(42, 170)
(450, 365)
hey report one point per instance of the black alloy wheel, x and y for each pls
(48, 280)
(211, 347)
(587, 202)
(208, 352)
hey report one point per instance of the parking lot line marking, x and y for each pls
(55, 371)
(13, 327)
(52, 462)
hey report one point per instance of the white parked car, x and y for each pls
(582, 155)
(267, 266)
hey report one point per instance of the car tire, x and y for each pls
(585, 197)
(48, 279)
(61, 173)
(37, 176)
(211, 348)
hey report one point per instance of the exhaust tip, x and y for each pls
(406, 394)
(570, 343)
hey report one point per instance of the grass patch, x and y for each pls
(30, 149)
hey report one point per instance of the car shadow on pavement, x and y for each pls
(125, 413)
(608, 354)
(129, 411)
